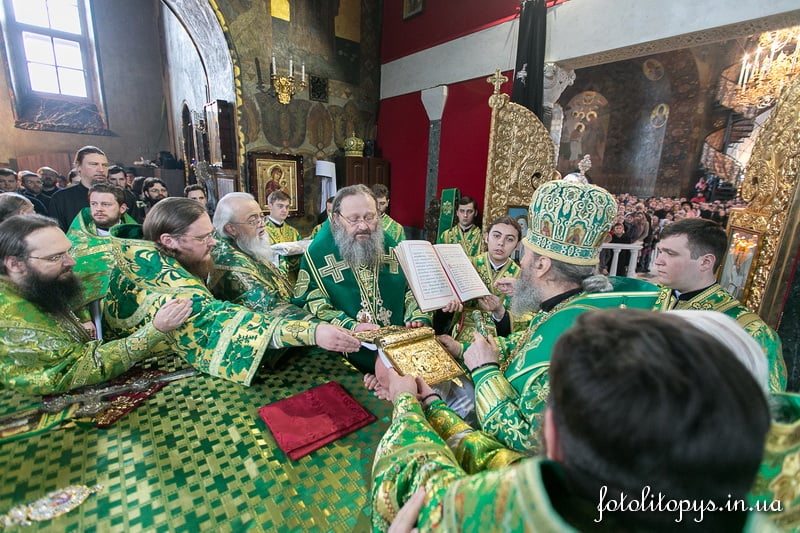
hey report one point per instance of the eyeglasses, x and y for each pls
(367, 219)
(205, 239)
(254, 221)
(55, 258)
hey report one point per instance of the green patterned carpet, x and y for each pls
(196, 457)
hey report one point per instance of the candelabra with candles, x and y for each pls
(286, 86)
(769, 69)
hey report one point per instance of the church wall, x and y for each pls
(338, 40)
(130, 71)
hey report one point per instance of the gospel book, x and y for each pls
(439, 273)
(412, 351)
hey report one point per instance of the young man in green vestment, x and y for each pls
(466, 233)
(173, 259)
(279, 231)
(689, 253)
(651, 425)
(349, 276)
(44, 348)
(91, 244)
(569, 222)
(390, 226)
(501, 240)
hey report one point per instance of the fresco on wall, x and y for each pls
(585, 129)
(323, 34)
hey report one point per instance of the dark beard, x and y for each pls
(201, 268)
(357, 252)
(57, 296)
(527, 297)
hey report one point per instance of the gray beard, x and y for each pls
(527, 297)
(359, 252)
(257, 247)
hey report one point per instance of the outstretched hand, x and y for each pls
(408, 514)
(506, 285)
(481, 351)
(450, 344)
(172, 314)
(336, 339)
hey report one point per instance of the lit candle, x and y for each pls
(291, 67)
(755, 61)
(303, 72)
(272, 67)
(741, 72)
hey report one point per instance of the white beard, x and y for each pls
(258, 247)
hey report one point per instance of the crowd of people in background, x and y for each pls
(641, 220)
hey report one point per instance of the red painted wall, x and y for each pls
(403, 123)
(439, 22)
(403, 138)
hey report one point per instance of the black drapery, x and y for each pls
(529, 67)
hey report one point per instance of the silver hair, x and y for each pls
(584, 275)
(224, 212)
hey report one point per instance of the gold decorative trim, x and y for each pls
(521, 154)
(770, 186)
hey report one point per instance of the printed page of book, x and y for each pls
(425, 275)
(462, 275)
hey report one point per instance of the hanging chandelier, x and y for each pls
(769, 68)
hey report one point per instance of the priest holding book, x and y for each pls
(349, 277)
(558, 282)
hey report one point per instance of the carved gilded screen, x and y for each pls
(521, 154)
(773, 212)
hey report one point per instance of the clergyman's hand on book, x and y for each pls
(399, 384)
(450, 344)
(481, 351)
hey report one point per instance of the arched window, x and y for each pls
(53, 65)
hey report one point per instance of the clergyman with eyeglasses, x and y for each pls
(349, 277)
(170, 256)
(44, 348)
(244, 269)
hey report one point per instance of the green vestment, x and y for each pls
(510, 401)
(715, 298)
(289, 264)
(219, 338)
(329, 288)
(260, 286)
(92, 254)
(519, 497)
(778, 476)
(471, 240)
(41, 353)
(392, 228)
(463, 324)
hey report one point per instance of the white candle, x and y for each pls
(303, 72)
(291, 67)
(741, 71)
(272, 66)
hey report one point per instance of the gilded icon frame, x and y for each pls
(290, 180)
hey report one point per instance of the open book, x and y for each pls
(438, 273)
(412, 351)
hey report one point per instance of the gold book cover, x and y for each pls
(412, 351)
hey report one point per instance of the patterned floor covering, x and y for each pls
(196, 457)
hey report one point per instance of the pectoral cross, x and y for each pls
(333, 268)
(389, 259)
